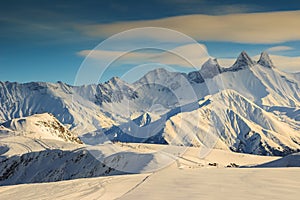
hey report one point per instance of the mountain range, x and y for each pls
(250, 107)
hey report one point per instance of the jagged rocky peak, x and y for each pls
(265, 60)
(114, 90)
(245, 57)
(210, 63)
(242, 62)
(63, 84)
(210, 68)
(114, 81)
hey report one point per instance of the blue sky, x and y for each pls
(41, 40)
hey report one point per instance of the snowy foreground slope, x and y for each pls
(193, 178)
(25, 159)
(210, 184)
(292, 160)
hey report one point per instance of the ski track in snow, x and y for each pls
(136, 186)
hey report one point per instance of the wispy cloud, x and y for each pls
(233, 8)
(212, 7)
(267, 28)
(196, 56)
(191, 55)
(279, 48)
(263, 28)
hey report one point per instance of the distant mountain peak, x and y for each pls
(114, 80)
(211, 62)
(243, 61)
(210, 68)
(265, 60)
(244, 57)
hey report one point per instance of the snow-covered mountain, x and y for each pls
(255, 106)
(41, 126)
(232, 121)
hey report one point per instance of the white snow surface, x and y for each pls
(39, 126)
(190, 177)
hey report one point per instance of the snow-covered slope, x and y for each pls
(292, 160)
(229, 120)
(194, 184)
(51, 165)
(41, 126)
(57, 160)
(192, 177)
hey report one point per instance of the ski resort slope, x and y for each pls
(86, 188)
(220, 184)
(212, 177)
(199, 183)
